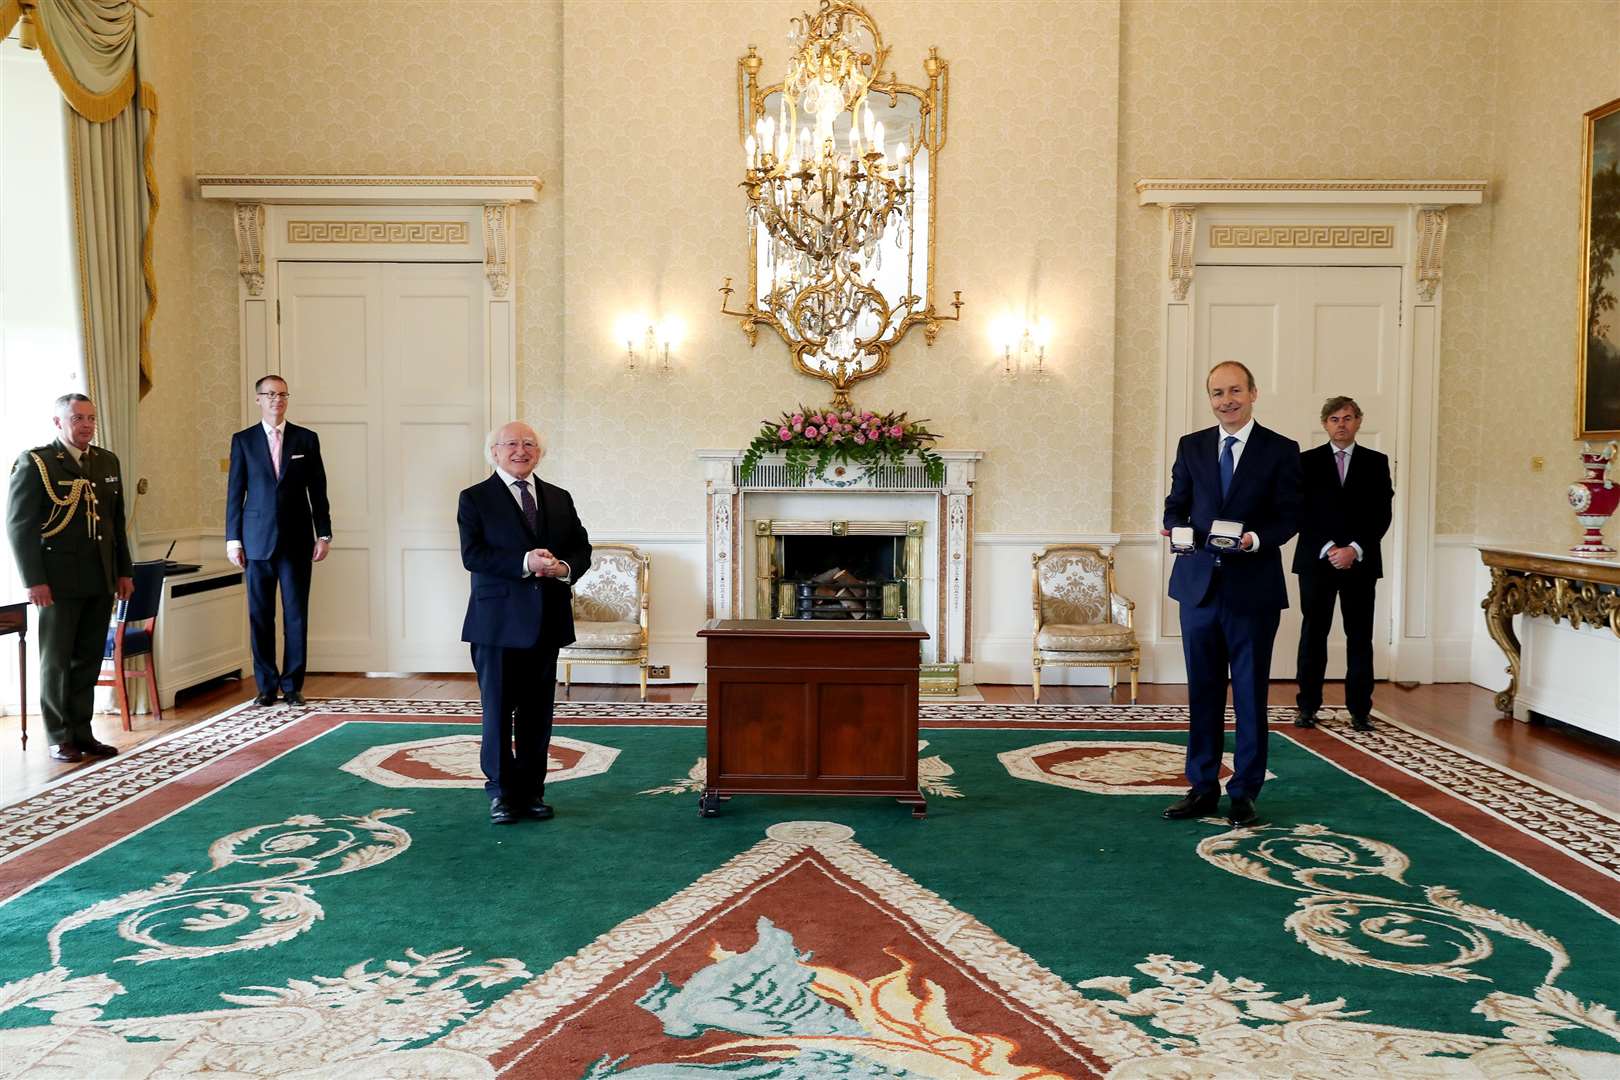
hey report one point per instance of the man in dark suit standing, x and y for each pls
(65, 520)
(277, 523)
(525, 547)
(1349, 501)
(1243, 479)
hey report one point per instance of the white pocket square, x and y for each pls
(295, 457)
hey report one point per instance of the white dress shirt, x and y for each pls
(534, 492)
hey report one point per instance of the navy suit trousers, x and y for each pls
(292, 574)
(518, 689)
(1215, 640)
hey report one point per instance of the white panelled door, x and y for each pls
(1308, 334)
(386, 362)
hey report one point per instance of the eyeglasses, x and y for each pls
(526, 444)
(275, 395)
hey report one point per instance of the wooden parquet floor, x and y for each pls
(1578, 764)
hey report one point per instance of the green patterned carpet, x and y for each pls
(329, 898)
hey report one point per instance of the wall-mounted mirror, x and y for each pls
(841, 188)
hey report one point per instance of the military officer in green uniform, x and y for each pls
(65, 519)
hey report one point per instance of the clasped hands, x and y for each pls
(542, 563)
(1341, 558)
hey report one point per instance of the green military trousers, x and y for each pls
(72, 641)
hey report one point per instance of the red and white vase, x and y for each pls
(1594, 497)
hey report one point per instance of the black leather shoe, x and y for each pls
(1361, 723)
(539, 811)
(1242, 812)
(500, 813)
(96, 748)
(1192, 805)
(66, 752)
(1305, 719)
(293, 698)
(268, 698)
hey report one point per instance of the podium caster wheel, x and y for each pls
(708, 805)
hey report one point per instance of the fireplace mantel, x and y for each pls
(891, 493)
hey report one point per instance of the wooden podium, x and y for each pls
(815, 707)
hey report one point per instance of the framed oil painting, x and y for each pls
(1597, 374)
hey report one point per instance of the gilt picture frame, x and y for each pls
(1597, 372)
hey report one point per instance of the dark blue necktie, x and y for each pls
(1227, 464)
(531, 511)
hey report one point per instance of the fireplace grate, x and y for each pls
(820, 600)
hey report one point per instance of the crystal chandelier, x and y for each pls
(831, 200)
(826, 200)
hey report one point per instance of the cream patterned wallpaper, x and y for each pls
(654, 222)
(1300, 90)
(386, 86)
(1557, 69)
(626, 111)
(169, 413)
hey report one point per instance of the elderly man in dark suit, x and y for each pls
(525, 547)
(65, 520)
(1349, 501)
(1243, 479)
(277, 523)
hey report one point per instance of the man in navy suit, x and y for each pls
(525, 547)
(1349, 501)
(1231, 599)
(277, 524)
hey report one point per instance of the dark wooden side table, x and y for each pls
(813, 708)
(14, 620)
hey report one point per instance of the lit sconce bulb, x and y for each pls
(1022, 346)
(877, 134)
(749, 148)
(647, 342)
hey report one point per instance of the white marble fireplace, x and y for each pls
(893, 495)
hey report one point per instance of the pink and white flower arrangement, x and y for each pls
(813, 439)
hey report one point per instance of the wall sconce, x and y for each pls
(647, 343)
(1022, 346)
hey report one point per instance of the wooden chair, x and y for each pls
(610, 612)
(130, 637)
(1080, 621)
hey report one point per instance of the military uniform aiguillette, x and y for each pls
(65, 520)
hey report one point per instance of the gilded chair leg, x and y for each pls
(644, 681)
(1037, 685)
(568, 677)
(1113, 679)
(1133, 682)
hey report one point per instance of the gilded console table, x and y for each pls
(1539, 584)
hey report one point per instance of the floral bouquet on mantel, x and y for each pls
(812, 439)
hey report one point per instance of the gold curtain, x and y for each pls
(90, 48)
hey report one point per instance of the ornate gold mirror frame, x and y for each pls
(831, 301)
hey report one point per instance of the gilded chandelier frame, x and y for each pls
(933, 102)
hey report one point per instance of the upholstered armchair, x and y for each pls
(610, 612)
(1079, 619)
